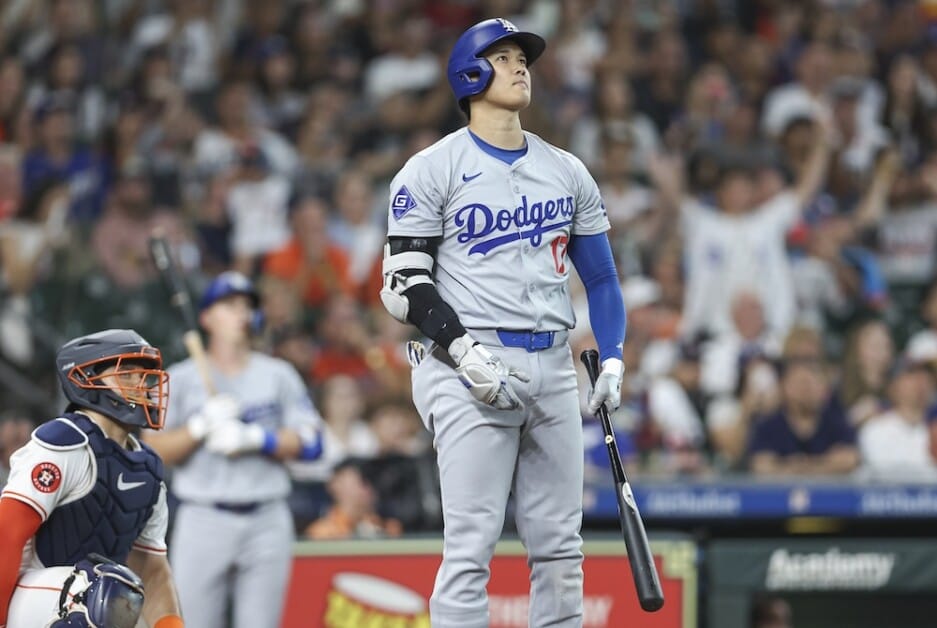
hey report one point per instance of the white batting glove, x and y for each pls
(233, 438)
(607, 389)
(217, 409)
(485, 375)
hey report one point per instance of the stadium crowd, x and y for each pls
(769, 168)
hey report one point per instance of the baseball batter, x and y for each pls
(232, 537)
(482, 228)
(85, 488)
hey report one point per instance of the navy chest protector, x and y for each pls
(112, 515)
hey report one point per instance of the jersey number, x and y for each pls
(559, 246)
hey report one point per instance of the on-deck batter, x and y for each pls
(481, 229)
(233, 532)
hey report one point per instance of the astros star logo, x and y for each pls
(46, 477)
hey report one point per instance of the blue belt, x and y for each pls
(530, 340)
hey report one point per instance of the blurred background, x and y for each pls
(779, 362)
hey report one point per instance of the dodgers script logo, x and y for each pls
(526, 222)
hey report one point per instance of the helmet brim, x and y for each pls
(532, 44)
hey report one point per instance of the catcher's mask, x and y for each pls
(117, 373)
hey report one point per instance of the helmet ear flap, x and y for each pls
(477, 77)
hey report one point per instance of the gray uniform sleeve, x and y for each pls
(590, 217)
(417, 199)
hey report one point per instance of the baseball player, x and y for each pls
(85, 492)
(233, 532)
(482, 228)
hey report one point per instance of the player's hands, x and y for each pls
(485, 375)
(607, 389)
(218, 409)
(233, 438)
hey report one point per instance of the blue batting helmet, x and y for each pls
(231, 283)
(469, 72)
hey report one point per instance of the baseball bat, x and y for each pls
(643, 570)
(180, 299)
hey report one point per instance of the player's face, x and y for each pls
(229, 319)
(132, 381)
(510, 87)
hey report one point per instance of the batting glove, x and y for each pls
(218, 409)
(233, 438)
(485, 375)
(607, 389)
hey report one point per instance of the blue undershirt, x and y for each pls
(507, 156)
(592, 257)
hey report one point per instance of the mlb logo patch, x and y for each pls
(402, 203)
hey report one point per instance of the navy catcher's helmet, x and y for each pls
(228, 284)
(469, 72)
(138, 396)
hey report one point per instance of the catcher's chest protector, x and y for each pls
(113, 514)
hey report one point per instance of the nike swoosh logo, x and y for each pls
(126, 486)
(468, 178)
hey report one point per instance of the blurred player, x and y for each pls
(85, 486)
(233, 533)
(482, 226)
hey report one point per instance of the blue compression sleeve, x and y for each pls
(592, 257)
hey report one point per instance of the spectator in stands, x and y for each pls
(659, 92)
(354, 511)
(119, 240)
(613, 116)
(804, 97)
(905, 111)
(896, 443)
(869, 354)
(257, 207)
(192, 36)
(216, 148)
(28, 243)
(354, 226)
(729, 418)
(675, 408)
(15, 428)
(724, 354)
(12, 97)
(57, 156)
(408, 65)
(403, 473)
(316, 267)
(66, 76)
(809, 435)
(740, 247)
(343, 342)
(279, 106)
(345, 432)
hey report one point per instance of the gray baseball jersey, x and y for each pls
(505, 228)
(234, 518)
(502, 264)
(272, 395)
